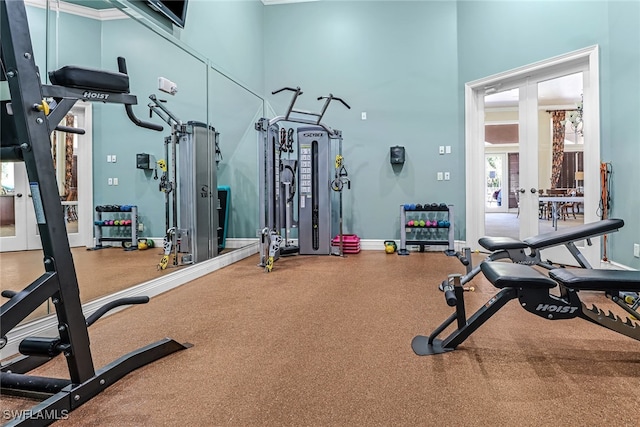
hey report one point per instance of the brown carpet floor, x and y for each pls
(325, 341)
(100, 272)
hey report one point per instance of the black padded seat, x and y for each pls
(573, 234)
(90, 79)
(508, 275)
(497, 243)
(598, 280)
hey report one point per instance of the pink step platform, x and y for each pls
(350, 243)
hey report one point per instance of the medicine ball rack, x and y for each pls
(437, 229)
(28, 118)
(130, 242)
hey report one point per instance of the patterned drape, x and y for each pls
(558, 146)
(68, 156)
(69, 121)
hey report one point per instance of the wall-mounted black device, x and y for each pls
(145, 161)
(396, 155)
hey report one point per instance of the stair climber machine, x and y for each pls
(299, 188)
(189, 182)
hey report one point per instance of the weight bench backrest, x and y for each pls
(574, 234)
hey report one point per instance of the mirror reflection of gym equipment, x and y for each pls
(27, 122)
(189, 182)
(305, 169)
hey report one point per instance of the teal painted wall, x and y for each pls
(38, 28)
(397, 62)
(495, 36)
(404, 63)
(620, 130)
(78, 42)
(229, 33)
(218, 84)
(148, 57)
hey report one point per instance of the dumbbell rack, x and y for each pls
(133, 240)
(432, 236)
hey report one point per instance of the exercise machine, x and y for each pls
(528, 251)
(189, 182)
(28, 118)
(532, 289)
(309, 175)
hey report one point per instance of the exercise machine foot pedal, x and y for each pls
(421, 347)
(289, 250)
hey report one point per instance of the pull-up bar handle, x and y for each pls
(297, 93)
(297, 90)
(331, 97)
(122, 67)
(326, 105)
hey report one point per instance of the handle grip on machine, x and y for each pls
(463, 259)
(68, 129)
(122, 67)
(449, 293)
(113, 304)
(297, 89)
(331, 97)
(9, 293)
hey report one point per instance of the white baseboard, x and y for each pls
(47, 326)
(235, 243)
(612, 265)
(378, 245)
(231, 243)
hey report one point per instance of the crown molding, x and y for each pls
(87, 12)
(274, 2)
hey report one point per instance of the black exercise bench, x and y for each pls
(527, 251)
(531, 288)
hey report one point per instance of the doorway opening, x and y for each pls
(545, 154)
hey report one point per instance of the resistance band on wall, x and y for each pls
(341, 175)
(605, 199)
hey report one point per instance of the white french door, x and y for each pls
(527, 84)
(18, 227)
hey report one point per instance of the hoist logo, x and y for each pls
(95, 95)
(556, 308)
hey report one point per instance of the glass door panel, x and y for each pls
(561, 158)
(12, 207)
(501, 144)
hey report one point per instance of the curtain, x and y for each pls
(558, 146)
(69, 121)
(68, 157)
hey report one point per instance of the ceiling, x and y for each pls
(270, 2)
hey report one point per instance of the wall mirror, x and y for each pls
(93, 34)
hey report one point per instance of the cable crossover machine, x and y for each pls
(189, 183)
(28, 117)
(304, 169)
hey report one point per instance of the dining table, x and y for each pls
(555, 202)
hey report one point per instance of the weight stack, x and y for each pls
(314, 207)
